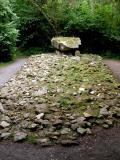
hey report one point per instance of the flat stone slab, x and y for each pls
(66, 43)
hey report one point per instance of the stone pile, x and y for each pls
(56, 99)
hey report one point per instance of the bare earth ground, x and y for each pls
(102, 145)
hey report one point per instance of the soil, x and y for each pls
(102, 145)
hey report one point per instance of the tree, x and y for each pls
(8, 31)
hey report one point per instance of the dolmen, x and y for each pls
(66, 45)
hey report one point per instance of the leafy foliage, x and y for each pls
(40, 20)
(8, 31)
(101, 21)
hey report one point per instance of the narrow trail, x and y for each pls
(114, 65)
(103, 145)
(8, 71)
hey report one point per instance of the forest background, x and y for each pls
(27, 26)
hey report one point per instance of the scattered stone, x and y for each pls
(57, 122)
(4, 124)
(40, 116)
(65, 131)
(5, 118)
(109, 122)
(81, 130)
(81, 89)
(45, 123)
(104, 112)
(1, 108)
(43, 140)
(92, 92)
(41, 108)
(88, 131)
(26, 115)
(41, 91)
(81, 121)
(105, 126)
(87, 115)
(5, 135)
(74, 126)
(76, 58)
(33, 126)
(19, 136)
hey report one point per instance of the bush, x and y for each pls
(8, 32)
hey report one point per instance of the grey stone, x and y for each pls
(57, 122)
(5, 135)
(81, 130)
(81, 121)
(1, 108)
(87, 114)
(45, 123)
(33, 126)
(109, 122)
(88, 131)
(26, 115)
(66, 43)
(104, 112)
(19, 136)
(5, 118)
(41, 91)
(40, 116)
(74, 126)
(65, 131)
(76, 58)
(105, 126)
(43, 140)
(4, 124)
(42, 108)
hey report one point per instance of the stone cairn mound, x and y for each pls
(56, 99)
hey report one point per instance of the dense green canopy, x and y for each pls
(8, 31)
(40, 20)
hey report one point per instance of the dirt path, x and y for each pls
(8, 71)
(114, 65)
(103, 145)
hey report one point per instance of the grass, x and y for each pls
(32, 138)
(5, 64)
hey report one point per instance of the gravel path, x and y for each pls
(114, 65)
(8, 71)
(104, 145)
